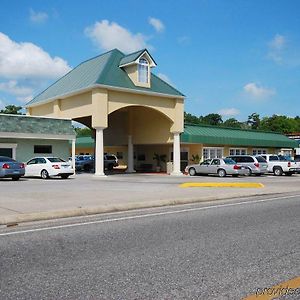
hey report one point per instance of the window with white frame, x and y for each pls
(237, 151)
(143, 70)
(259, 151)
(212, 153)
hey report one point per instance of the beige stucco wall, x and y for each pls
(99, 103)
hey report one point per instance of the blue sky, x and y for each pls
(228, 57)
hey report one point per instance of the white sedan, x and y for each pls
(46, 167)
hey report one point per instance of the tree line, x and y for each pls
(275, 123)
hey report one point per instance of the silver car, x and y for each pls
(255, 164)
(11, 168)
(219, 166)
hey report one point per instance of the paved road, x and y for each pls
(224, 250)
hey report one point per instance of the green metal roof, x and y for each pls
(213, 135)
(103, 69)
(84, 142)
(35, 125)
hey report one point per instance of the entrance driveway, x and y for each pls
(132, 190)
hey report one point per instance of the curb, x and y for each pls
(50, 215)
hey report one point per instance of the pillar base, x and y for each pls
(99, 175)
(176, 174)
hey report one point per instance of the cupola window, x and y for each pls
(143, 70)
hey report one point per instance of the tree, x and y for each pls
(12, 109)
(83, 131)
(232, 122)
(189, 118)
(254, 121)
(212, 119)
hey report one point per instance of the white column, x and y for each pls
(176, 154)
(130, 158)
(99, 153)
(73, 154)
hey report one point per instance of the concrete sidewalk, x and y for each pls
(36, 199)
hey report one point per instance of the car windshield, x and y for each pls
(6, 159)
(229, 161)
(55, 159)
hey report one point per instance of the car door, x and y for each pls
(30, 167)
(39, 166)
(214, 166)
(203, 167)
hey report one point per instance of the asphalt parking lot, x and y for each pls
(34, 195)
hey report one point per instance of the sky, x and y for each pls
(232, 57)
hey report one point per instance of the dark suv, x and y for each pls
(255, 164)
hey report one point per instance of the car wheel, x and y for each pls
(249, 172)
(110, 167)
(15, 178)
(192, 171)
(65, 176)
(44, 174)
(221, 173)
(277, 171)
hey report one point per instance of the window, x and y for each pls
(259, 151)
(42, 149)
(143, 70)
(212, 153)
(215, 162)
(238, 151)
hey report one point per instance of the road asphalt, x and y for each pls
(36, 199)
(221, 250)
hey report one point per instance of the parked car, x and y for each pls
(110, 161)
(83, 162)
(255, 164)
(279, 166)
(46, 167)
(87, 162)
(11, 168)
(219, 166)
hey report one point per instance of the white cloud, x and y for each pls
(258, 92)
(38, 17)
(165, 78)
(183, 40)
(229, 112)
(276, 47)
(278, 42)
(13, 88)
(2, 104)
(109, 35)
(156, 24)
(26, 60)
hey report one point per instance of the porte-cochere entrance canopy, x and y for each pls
(115, 93)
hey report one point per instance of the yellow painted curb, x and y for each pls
(222, 184)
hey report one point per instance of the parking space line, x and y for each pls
(222, 184)
(290, 287)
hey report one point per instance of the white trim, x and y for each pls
(260, 149)
(245, 149)
(108, 87)
(35, 136)
(151, 64)
(10, 146)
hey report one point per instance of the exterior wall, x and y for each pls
(25, 148)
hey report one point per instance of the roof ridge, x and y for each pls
(234, 128)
